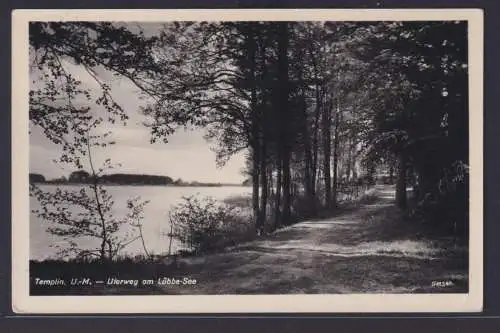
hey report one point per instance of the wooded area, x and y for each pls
(317, 106)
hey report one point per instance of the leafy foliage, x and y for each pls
(75, 214)
(59, 103)
(68, 114)
(377, 94)
(421, 110)
(204, 224)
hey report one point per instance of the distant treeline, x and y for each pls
(83, 177)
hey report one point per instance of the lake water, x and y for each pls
(155, 222)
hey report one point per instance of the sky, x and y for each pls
(187, 155)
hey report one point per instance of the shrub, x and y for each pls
(204, 225)
(446, 208)
(240, 201)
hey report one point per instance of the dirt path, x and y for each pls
(369, 249)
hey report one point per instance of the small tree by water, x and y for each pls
(89, 212)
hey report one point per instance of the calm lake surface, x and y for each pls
(155, 222)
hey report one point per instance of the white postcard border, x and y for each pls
(359, 303)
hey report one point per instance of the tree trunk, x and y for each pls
(318, 177)
(315, 153)
(308, 186)
(314, 171)
(349, 160)
(286, 190)
(263, 198)
(327, 146)
(371, 173)
(100, 211)
(286, 118)
(270, 186)
(277, 198)
(401, 183)
(308, 161)
(252, 50)
(391, 173)
(355, 165)
(255, 188)
(335, 155)
(317, 115)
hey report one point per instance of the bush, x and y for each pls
(204, 225)
(88, 213)
(446, 209)
(240, 201)
(447, 213)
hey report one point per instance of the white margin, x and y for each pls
(359, 303)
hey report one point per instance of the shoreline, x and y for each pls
(334, 256)
(158, 185)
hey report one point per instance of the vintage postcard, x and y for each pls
(247, 161)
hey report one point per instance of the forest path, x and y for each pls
(365, 249)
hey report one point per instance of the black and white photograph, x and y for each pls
(219, 156)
